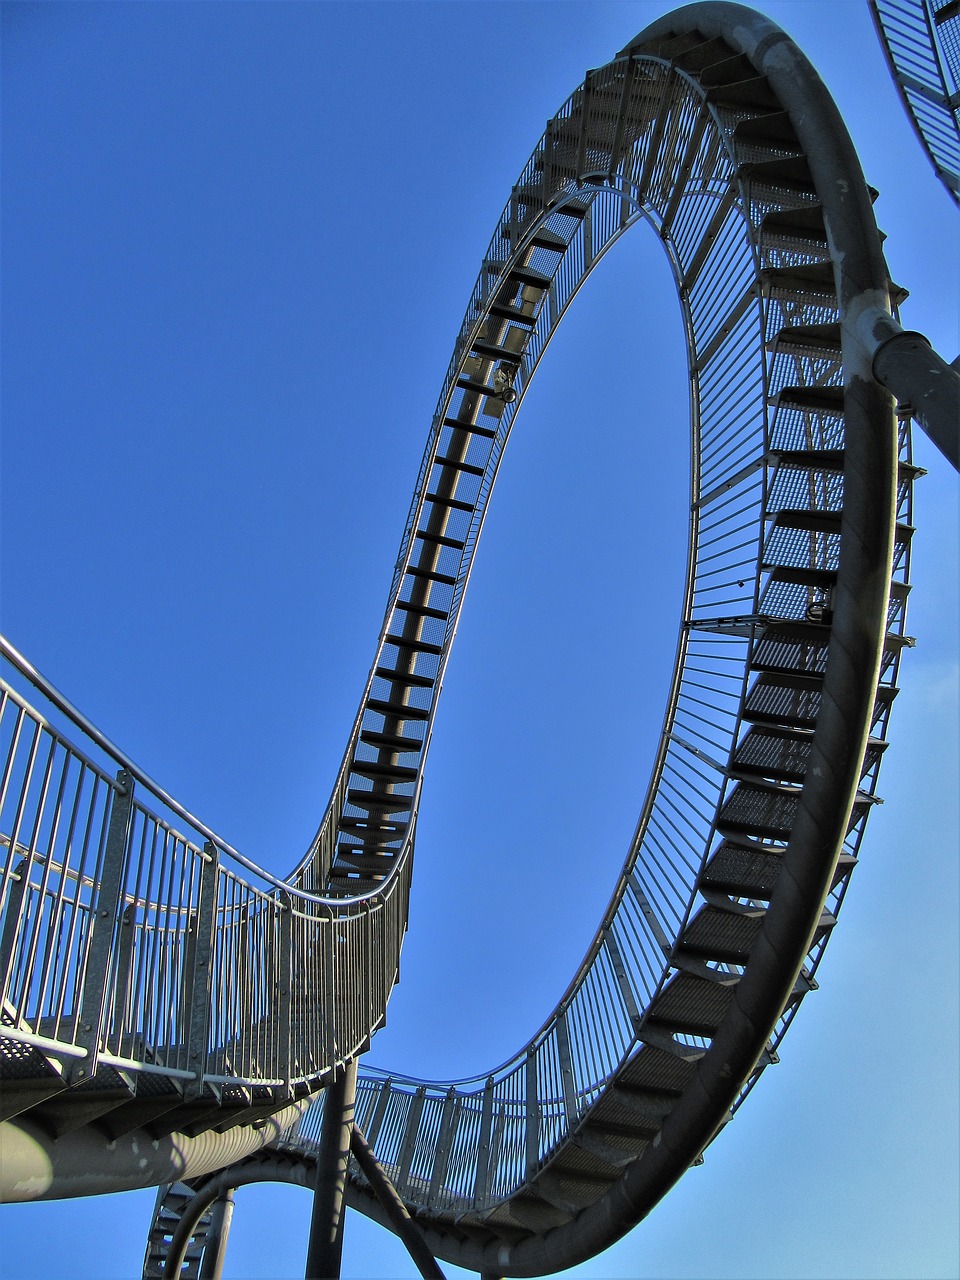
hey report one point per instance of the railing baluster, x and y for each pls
(106, 911)
(199, 979)
(483, 1145)
(532, 1134)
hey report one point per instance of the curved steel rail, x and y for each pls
(711, 127)
(921, 40)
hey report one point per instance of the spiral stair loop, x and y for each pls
(713, 129)
(540, 1163)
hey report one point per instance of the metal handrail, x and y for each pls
(123, 761)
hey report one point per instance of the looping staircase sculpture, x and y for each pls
(163, 994)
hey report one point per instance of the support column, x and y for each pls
(393, 1206)
(215, 1249)
(325, 1244)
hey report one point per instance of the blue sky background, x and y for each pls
(238, 242)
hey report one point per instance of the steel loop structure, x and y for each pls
(166, 998)
(921, 39)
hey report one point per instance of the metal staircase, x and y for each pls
(159, 985)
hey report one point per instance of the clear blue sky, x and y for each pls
(238, 244)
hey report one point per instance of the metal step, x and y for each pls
(773, 129)
(378, 802)
(752, 92)
(568, 1191)
(76, 1107)
(816, 399)
(745, 869)
(425, 610)
(529, 1211)
(440, 539)
(804, 339)
(390, 741)
(806, 224)
(802, 278)
(431, 575)
(27, 1077)
(471, 428)
(155, 1096)
(456, 504)
(616, 1145)
(759, 811)
(542, 238)
(696, 57)
(397, 710)
(639, 1110)
(457, 465)
(407, 678)
(791, 173)
(373, 863)
(391, 772)
(658, 1070)
(187, 1113)
(724, 936)
(691, 1005)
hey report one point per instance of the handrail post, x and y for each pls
(105, 912)
(284, 994)
(483, 1146)
(200, 980)
(18, 894)
(325, 1245)
(532, 1144)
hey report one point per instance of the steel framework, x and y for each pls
(921, 40)
(157, 984)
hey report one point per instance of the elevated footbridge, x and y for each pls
(167, 999)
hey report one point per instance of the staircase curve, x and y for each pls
(172, 1012)
(921, 42)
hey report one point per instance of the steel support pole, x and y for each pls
(393, 1207)
(906, 364)
(325, 1244)
(215, 1249)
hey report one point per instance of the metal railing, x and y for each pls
(921, 40)
(130, 942)
(465, 1145)
(132, 937)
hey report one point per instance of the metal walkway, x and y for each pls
(162, 994)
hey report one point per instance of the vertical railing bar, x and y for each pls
(409, 1141)
(155, 977)
(532, 1099)
(101, 938)
(379, 1111)
(49, 858)
(445, 1137)
(566, 1068)
(483, 1146)
(200, 978)
(60, 980)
